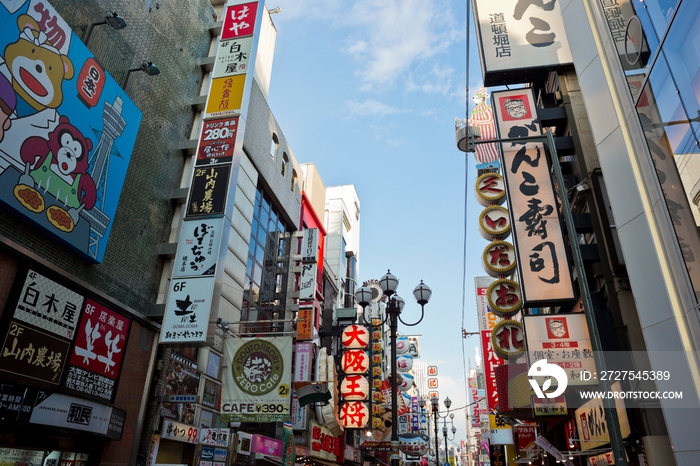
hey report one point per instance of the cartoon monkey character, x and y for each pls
(37, 68)
(58, 166)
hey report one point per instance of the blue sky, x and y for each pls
(369, 90)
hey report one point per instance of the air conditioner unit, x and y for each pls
(244, 442)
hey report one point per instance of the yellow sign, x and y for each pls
(225, 95)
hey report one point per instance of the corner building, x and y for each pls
(623, 109)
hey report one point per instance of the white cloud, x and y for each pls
(369, 108)
(388, 39)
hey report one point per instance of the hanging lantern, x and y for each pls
(355, 336)
(354, 388)
(355, 362)
(404, 363)
(354, 415)
(504, 297)
(401, 345)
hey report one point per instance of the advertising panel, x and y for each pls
(182, 384)
(592, 425)
(49, 306)
(217, 141)
(187, 312)
(545, 278)
(518, 36)
(68, 133)
(208, 191)
(302, 372)
(96, 359)
(199, 248)
(32, 355)
(257, 385)
(561, 339)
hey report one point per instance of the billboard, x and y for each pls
(545, 278)
(67, 133)
(516, 38)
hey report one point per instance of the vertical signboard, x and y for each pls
(69, 130)
(518, 36)
(302, 372)
(545, 278)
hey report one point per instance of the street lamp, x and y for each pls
(435, 405)
(444, 432)
(394, 305)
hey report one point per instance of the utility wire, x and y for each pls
(466, 217)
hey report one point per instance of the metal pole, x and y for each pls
(393, 310)
(437, 444)
(444, 432)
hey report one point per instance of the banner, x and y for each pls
(256, 386)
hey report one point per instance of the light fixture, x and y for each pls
(116, 21)
(275, 10)
(147, 67)
(389, 283)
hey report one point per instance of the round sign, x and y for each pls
(490, 189)
(507, 339)
(355, 362)
(257, 367)
(494, 222)
(504, 297)
(499, 258)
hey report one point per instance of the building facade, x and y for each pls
(619, 95)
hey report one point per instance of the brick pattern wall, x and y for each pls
(175, 36)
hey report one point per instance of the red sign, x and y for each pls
(239, 20)
(491, 361)
(90, 82)
(432, 371)
(355, 362)
(217, 141)
(96, 359)
(101, 340)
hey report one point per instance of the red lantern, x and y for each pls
(355, 362)
(355, 336)
(354, 388)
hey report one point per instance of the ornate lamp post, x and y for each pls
(394, 305)
(435, 405)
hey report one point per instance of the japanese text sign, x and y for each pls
(48, 305)
(514, 36)
(239, 20)
(544, 271)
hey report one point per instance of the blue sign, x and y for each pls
(67, 129)
(207, 453)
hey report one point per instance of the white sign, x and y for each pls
(179, 432)
(187, 313)
(309, 245)
(216, 437)
(307, 283)
(544, 269)
(199, 248)
(49, 306)
(233, 57)
(302, 372)
(517, 36)
(563, 340)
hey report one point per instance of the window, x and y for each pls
(285, 161)
(294, 180)
(274, 145)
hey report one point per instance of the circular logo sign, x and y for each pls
(257, 367)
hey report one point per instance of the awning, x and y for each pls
(315, 461)
(261, 458)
